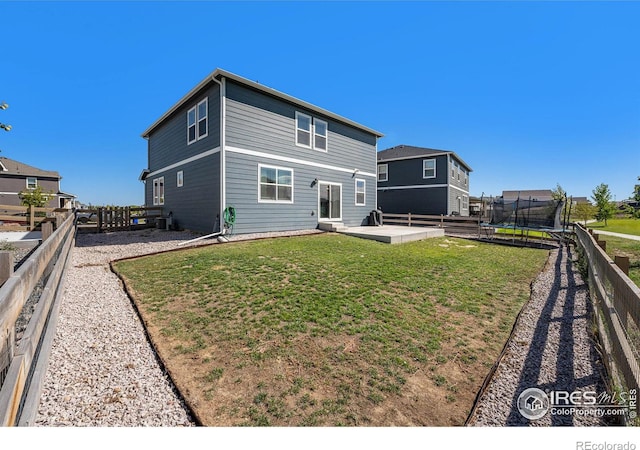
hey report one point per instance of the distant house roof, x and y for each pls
(13, 167)
(539, 194)
(218, 74)
(410, 152)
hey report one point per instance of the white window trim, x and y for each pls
(311, 130)
(267, 166)
(364, 192)
(200, 119)
(424, 168)
(180, 178)
(386, 172)
(326, 136)
(195, 125)
(157, 198)
(27, 182)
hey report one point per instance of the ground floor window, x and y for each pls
(360, 192)
(158, 191)
(275, 184)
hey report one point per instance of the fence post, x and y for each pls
(441, 220)
(409, 219)
(47, 230)
(623, 263)
(603, 245)
(31, 217)
(6, 266)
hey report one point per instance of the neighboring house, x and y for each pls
(422, 181)
(279, 162)
(16, 177)
(540, 195)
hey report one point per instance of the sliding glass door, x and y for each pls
(330, 201)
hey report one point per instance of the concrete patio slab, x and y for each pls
(21, 238)
(393, 234)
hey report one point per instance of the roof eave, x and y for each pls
(429, 155)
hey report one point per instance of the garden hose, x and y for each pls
(229, 217)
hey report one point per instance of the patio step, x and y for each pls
(331, 226)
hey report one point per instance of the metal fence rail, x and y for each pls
(617, 302)
(20, 388)
(451, 224)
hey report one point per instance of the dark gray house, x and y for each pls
(279, 162)
(17, 177)
(422, 181)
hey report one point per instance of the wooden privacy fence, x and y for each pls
(118, 218)
(617, 303)
(23, 218)
(451, 224)
(23, 363)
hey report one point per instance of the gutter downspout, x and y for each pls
(223, 118)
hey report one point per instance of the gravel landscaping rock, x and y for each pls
(102, 370)
(551, 349)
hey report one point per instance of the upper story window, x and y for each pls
(303, 130)
(383, 172)
(311, 132)
(197, 122)
(276, 184)
(320, 128)
(428, 168)
(453, 169)
(32, 182)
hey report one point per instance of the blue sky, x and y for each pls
(529, 94)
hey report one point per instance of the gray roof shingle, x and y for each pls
(14, 167)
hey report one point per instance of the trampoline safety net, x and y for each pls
(527, 214)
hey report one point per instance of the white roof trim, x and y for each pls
(433, 155)
(219, 73)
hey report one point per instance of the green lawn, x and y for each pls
(625, 247)
(330, 329)
(520, 233)
(626, 226)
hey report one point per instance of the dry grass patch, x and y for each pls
(332, 330)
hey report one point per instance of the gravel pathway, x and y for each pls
(102, 370)
(551, 349)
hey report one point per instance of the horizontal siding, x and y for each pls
(168, 143)
(12, 185)
(252, 216)
(453, 202)
(256, 121)
(414, 201)
(454, 180)
(196, 204)
(408, 172)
